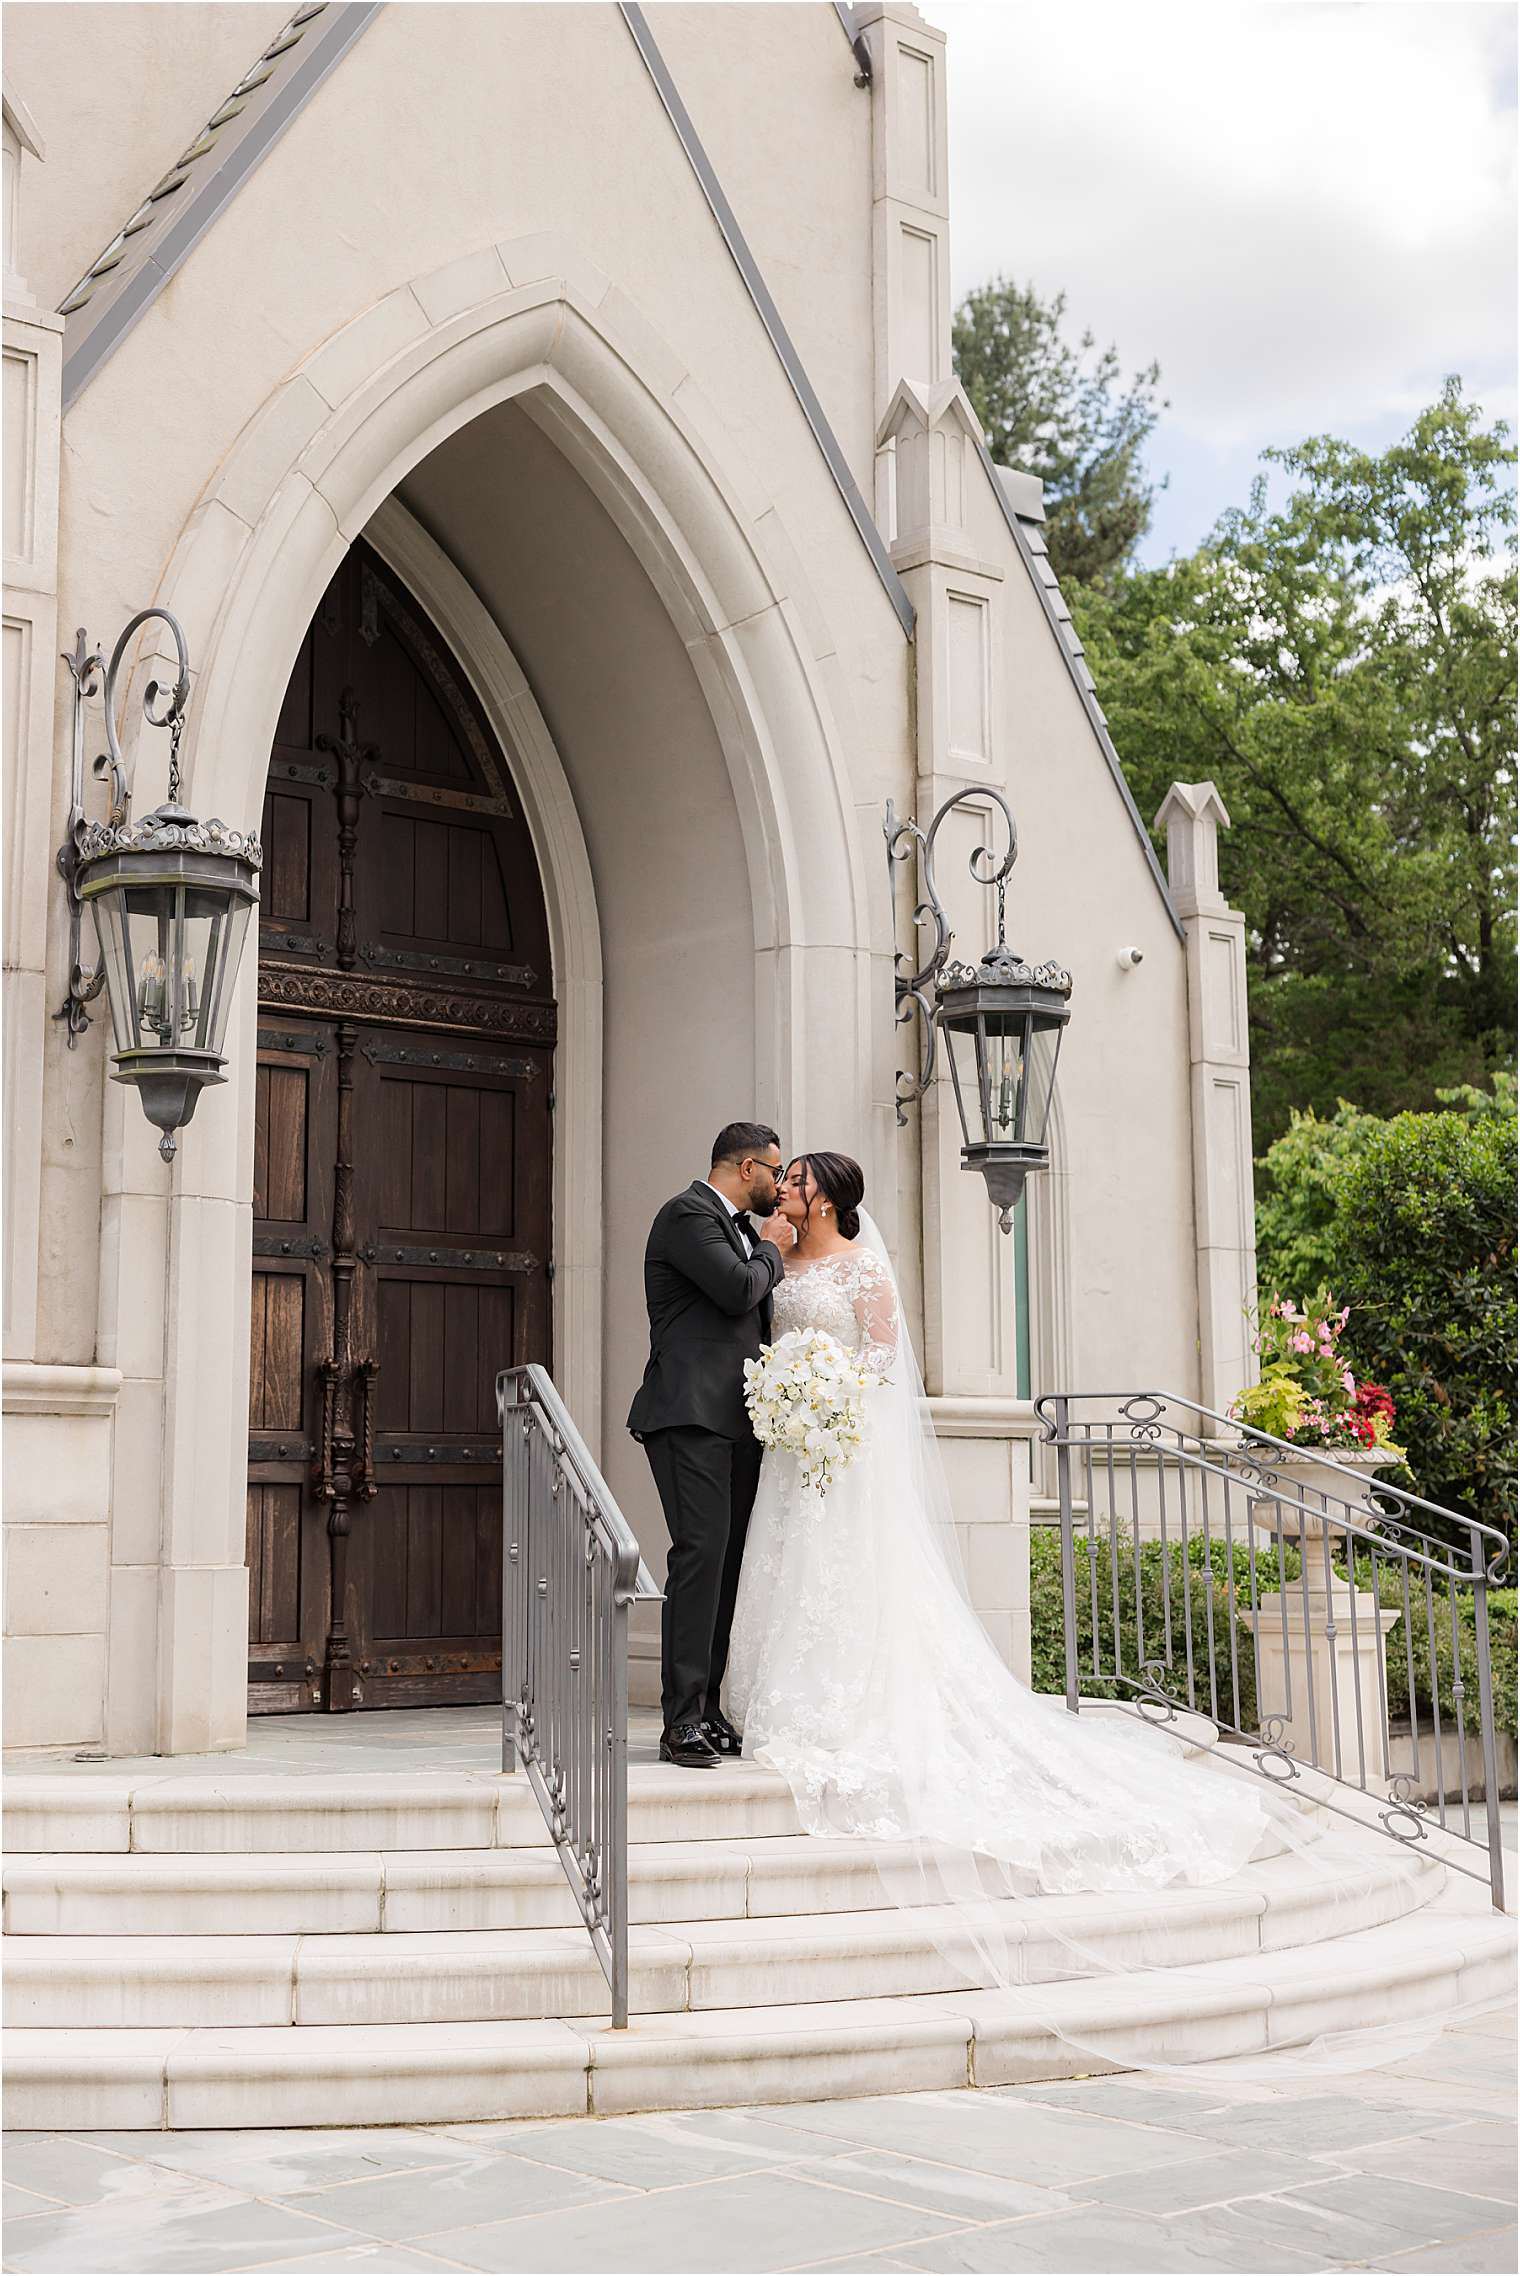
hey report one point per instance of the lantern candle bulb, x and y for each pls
(1005, 1095)
(150, 990)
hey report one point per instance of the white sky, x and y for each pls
(1305, 210)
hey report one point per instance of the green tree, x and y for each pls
(1063, 412)
(1342, 665)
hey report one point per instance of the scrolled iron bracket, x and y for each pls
(93, 676)
(913, 980)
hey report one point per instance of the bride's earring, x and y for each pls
(826, 1210)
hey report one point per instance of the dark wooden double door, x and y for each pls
(401, 1250)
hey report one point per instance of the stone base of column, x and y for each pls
(1317, 1658)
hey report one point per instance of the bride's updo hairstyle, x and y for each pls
(841, 1182)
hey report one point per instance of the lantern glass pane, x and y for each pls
(147, 922)
(216, 932)
(112, 932)
(1039, 1083)
(966, 1064)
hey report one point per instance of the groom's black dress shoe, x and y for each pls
(688, 1745)
(721, 1733)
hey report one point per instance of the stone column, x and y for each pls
(969, 1329)
(59, 1418)
(910, 211)
(1219, 1056)
(33, 357)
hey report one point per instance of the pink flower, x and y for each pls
(1301, 1342)
(1344, 1315)
(1349, 1381)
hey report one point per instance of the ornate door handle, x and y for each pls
(346, 1439)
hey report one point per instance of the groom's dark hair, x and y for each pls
(737, 1139)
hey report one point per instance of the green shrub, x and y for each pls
(1426, 1216)
(1412, 1222)
(1215, 1594)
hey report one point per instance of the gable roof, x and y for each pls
(123, 282)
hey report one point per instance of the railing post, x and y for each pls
(617, 1741)
(1486, 1717)
(1068, 1549)
(511, 1441)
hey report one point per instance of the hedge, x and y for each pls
(1200, 1599)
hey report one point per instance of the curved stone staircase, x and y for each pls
(246, 1950)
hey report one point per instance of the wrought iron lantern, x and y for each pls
(171, 898)
(1002, 1018)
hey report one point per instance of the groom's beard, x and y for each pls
(765, 1208)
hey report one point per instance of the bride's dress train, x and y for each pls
(860, 1671)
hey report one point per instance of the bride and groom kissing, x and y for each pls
(836, 1623)
(710, 1280)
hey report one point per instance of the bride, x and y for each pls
(859, 1670)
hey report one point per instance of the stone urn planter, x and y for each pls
(1319, 1639)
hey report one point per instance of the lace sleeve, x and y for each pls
(876, 1315)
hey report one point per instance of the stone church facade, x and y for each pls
(541, 421)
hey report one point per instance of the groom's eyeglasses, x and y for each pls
(776, 1168)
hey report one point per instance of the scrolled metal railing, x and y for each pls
(570, 1569)
(1295, 1600)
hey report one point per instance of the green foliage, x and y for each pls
(1342, 666)
(1413, 1221)
(1216, 1594)
(1397, 1654)
(1297, 1188)
(1426, 1221)
(1061, 412)
(1200, 1604)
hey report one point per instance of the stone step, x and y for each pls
(312, 1892)
(413, 2073)
(245, 1812)
(120, 1981)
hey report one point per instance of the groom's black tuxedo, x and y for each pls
(708, 1289)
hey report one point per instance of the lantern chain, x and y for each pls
(176, 729)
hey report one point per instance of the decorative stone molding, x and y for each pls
(31, 1389)
(936, 435)
(1219, 1056)
(1194, 814)
(22, 138)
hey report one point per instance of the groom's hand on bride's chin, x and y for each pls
(780, 1230)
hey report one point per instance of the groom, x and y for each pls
(707, 1282)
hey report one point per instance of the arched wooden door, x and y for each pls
(401, 1240)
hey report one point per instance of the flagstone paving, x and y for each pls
(1408, 2166)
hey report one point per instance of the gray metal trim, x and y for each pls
(1085, 694)
(858, 47)
(770, 316)
(108, 317)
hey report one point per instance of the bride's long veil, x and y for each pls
(1027, 1832)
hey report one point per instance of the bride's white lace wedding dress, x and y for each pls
(860, 1671)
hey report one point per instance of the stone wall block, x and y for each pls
(54, 1690)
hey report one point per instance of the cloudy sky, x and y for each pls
(1304, 210)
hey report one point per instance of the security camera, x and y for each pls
(1129, 957)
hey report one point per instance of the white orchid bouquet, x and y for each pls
(806, 1395)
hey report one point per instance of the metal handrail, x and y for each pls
(570, 1569)
(1319, 1644)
